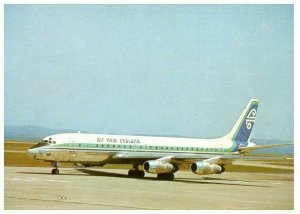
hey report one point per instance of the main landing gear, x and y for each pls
(55, 171)
(136, 173)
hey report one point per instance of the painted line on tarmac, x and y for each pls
(37, 179)
(78, 202)
(15, 151)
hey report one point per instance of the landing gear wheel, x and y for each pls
(55, 171)
(171, 177)
(131, 173)
(165, 176)
(141, 174)
(136, 173)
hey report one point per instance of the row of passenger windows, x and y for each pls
(171, 148)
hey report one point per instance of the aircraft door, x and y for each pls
(72, 143)
(221, 148)
(72, 155)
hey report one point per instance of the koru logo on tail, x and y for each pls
(250, 118)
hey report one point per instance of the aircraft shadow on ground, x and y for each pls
(207, 181)
(108, 174)
(202, 180)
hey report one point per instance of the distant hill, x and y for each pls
(31, 133)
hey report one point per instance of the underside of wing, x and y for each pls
(178, 159)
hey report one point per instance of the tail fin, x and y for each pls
(241, 130)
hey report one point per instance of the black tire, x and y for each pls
(141, 174)
(160, 176)
(131, 173)
(55, 171)
(136, 173)
(171, 177)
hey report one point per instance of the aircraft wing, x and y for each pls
(182, 159)
(176, 159)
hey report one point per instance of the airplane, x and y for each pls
(157, 155)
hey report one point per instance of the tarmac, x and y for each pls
(34, 188)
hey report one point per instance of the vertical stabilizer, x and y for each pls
(241, 130)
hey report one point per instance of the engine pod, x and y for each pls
(204, 168)
(158, 167)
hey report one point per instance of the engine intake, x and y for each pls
(158, 167)
(204, 168)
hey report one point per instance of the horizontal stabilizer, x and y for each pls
(252, 148)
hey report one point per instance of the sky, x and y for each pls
(167, 70)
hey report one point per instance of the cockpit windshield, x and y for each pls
(44, 143)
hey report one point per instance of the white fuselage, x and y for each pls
(85, 148)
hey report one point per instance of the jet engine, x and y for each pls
(205, 168)
(157, 167)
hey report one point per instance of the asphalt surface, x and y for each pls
(34, 188)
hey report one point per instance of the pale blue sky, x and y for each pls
(169, 70)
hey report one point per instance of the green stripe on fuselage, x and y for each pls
(135, 147)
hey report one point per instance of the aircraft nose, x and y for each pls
(32, 151)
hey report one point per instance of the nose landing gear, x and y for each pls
(55, 171)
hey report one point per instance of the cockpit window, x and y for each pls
(48, 141)
(44, 143)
